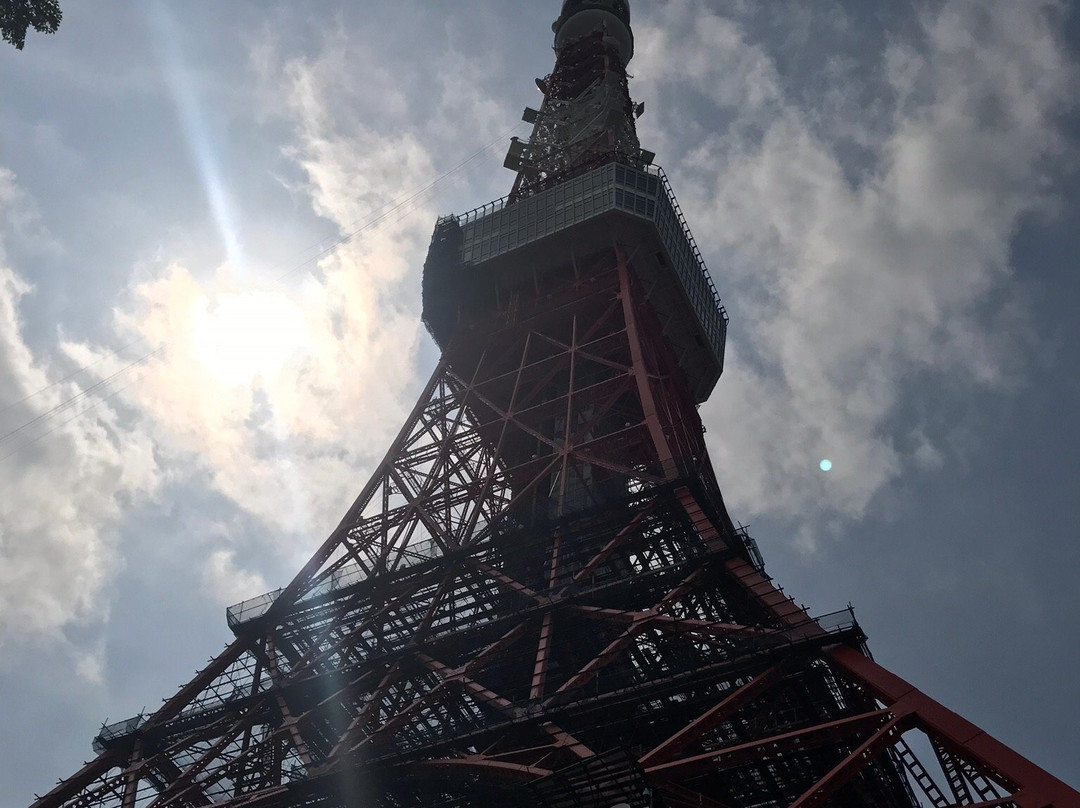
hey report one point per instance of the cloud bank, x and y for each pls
(66, 481)
(276, 393)
(853, 279)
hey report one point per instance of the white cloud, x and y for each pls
(227, 582)
(90, 663)
(21, 220)
(849, 293)
(65, 480)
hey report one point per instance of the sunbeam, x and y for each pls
(189, 111)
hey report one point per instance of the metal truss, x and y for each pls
(539, 600)
(587, 118)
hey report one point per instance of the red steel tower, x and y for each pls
(539, 598)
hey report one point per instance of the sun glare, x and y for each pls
(248, 335)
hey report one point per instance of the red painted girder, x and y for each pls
(184, 783)
(679, 796)
(611, 651)
(489, 478)
(685, 623)
(347, 690)
(755, 750)
(131, 780)
(417, 503)
(768, 596)
(565, 740)
(288, 719)
(711, 718)
(988, 803)
(425, 622)
(313, 656)
(506, 583)
(481, 766)
(297, 586)
(543, 649)
(403, 715)
(166, 768)
(264, 798)
(365, 717)
(515, 419)
(518, 755)
(494, 649)
(218, 665)
(703, 526)
(1034, 787)
(645, 392)
(457, 676)
(861, 757)
(620, 538)
(568, 420)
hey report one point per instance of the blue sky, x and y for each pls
(221, 211)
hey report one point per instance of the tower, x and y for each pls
(539, 598)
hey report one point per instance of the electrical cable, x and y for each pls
(71, 375)
(79, 414)
(63, 405)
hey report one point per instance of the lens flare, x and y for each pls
(825, 465)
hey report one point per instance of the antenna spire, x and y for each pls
(587, 117)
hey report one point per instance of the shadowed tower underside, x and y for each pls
(539, 599)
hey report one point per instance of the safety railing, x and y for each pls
(115, 731)
(838, 622)
(750, 546)
(344, 577)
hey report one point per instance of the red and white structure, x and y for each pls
(539, 599)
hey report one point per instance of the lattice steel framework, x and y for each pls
(539, 598)
(585, 119)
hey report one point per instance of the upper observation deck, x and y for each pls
(501, 245)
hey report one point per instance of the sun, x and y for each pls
(248, 335)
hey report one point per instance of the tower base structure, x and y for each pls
(540, 600)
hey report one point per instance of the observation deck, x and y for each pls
(497, 247)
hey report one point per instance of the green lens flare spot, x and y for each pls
(825, 465)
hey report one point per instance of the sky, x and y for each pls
(213, 218)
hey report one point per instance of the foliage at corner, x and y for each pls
(16, 16)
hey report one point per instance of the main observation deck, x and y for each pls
(500, 245)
